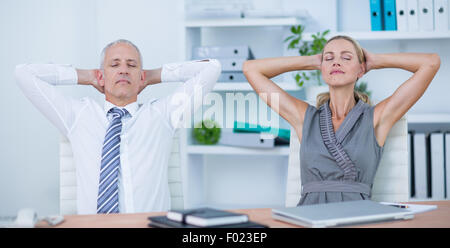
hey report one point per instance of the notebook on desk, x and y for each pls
(341, 213)
(164, 222)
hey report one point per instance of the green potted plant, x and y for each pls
(308, 48)
(362, 87)
(206, 132)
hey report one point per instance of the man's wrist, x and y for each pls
(152, 76)
(85, 77)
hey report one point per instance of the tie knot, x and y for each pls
(117, 112)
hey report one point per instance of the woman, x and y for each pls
(342, 138)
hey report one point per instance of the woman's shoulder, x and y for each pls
(311, 111)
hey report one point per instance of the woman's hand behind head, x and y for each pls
(369, 63)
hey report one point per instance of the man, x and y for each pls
(121, 150)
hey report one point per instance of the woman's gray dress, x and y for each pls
(338, 166)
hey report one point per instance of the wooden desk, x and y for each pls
(436, 218)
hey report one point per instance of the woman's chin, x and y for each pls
(338, 83)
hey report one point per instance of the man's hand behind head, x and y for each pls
(90, 77)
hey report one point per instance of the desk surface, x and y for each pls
(436, 218)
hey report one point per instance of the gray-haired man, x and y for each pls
(121, 149)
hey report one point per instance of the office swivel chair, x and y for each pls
(68, 183)
(391, 183)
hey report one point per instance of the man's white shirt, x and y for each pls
(146, 137)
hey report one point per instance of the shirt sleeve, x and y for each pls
(198, 77)
(38, 82)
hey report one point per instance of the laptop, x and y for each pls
(340, 213)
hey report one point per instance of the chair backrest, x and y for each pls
(391, 182)
(68, 183)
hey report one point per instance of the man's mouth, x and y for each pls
(122, 81)
(336, 72)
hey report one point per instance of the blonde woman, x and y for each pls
(342, 137)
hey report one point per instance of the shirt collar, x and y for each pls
(131, 108)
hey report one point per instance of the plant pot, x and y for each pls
(313, 91)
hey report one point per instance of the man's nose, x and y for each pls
(123, 69)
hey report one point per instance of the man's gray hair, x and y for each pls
(102, 55)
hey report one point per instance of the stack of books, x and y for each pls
(202, 218)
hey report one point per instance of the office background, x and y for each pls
(75, 31)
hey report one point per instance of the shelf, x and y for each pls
(245, 86)
(289, 21)
(428, 118)
(231, 150)
(244, 22)
(388, 35)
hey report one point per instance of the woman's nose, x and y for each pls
(336, 63)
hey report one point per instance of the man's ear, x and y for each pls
(142, 76)
(100, 78)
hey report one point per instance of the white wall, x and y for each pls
(36, 32)
(71, 32)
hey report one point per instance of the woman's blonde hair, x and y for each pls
(324, 97)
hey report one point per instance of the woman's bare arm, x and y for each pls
(390, 110)
(259, 72)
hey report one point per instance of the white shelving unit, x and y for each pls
(204, 173)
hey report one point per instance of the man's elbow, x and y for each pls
(20, 72)
(216, 66)
(19, 69)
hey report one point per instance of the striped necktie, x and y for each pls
(108, 191)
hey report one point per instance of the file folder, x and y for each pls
(410, 165)
(251, 140)
(402, 17)
(232, 64)
(420, 166)
(437, 166)
(231, 77)
(426, 19)
(441, 15)
(222, 52)
(389, 15)
(413, 19)
(254, 128)
(447, 164)
(376, 15)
